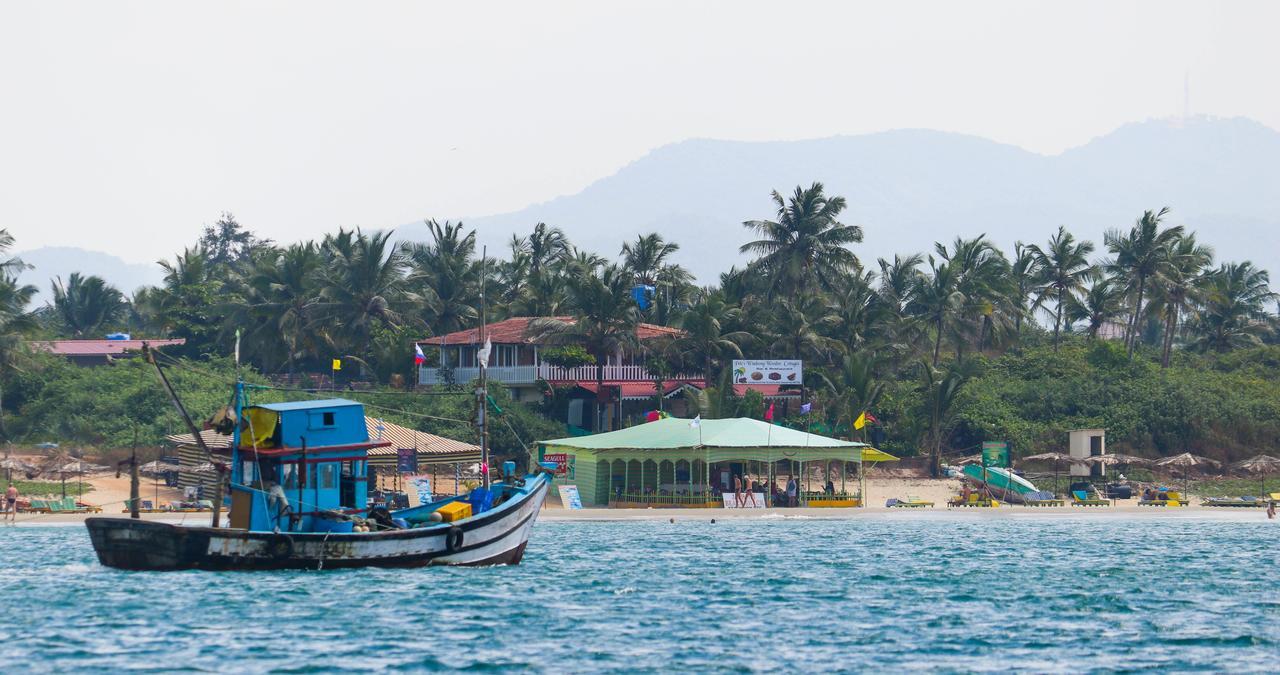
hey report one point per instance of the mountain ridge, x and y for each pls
(907, 187)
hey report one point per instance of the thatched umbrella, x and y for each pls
(9, 464)
(1187, 460)
(156, 468)
(1056, 458)
(1259, 464)
(79, 468)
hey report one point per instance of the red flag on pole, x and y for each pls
(768, 414)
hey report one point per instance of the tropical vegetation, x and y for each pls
(1146, 334)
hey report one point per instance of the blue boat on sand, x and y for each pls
(1002, 483)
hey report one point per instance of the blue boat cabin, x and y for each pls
(297, 462)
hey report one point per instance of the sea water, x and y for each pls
(936, 592)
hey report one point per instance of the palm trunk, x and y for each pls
(937, 343)
(706, 371)
(1057, 321)
(1137, 315)
(1170, 324)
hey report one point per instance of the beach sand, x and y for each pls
(110, 492)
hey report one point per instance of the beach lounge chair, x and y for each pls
(912, 502)
(1236, 501)
(1081, 498)
(1043, 502)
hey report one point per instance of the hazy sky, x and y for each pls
(125, 127)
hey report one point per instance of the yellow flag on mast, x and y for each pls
(337, 364)
(861, 421)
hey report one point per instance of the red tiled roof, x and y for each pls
(99, 347)
(633, 390)
(512, 332)
(767, 390)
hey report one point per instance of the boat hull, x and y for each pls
(496, 537)
(1001, 483)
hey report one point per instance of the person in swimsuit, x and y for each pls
(11, 503)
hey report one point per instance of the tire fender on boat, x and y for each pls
(280, 545)
(453, 539)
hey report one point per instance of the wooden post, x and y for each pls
(134, 496)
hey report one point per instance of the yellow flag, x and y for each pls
(861, 421)
(337, 365)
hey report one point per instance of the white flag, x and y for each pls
(695, 422)
(483, 355)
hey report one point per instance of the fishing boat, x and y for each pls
(1002, 483)
(299, 488)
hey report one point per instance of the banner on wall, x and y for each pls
(768, 371)
(748, 500)
(407, 460)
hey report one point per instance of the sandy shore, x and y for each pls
(110, 492)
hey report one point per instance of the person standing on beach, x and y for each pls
(1271, 510)
(791, 491)
(738, 499)
(11, 503)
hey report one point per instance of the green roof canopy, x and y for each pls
(735, 438)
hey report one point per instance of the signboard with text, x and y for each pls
(407, 460)
(768, 371)
(420, 487)
(995, 454)
(569, 497)
(564, 463)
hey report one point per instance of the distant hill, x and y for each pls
(910, 188)
(55, 261)
(907, 188)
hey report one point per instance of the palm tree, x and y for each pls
(940, 389)
(854, 387)
(806, 245)
(1063, 268)
(363, 286)
(15, 324)
(982, 282)
(1178, 283)
(1139, 255)
(705, 339)
(1099, 304)
(86, 304)
(935, 299)
(278, 309)
(447, 276)
(1234, 312)
(646, 257)
(853, 310)
(605, 319)
(1024, 273)
(186, 303)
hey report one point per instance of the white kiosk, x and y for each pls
(1086, 443)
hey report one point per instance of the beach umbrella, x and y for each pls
(155, 468)
(79, 469)
(1259, 464)
(159, 467)
(1187, 460)
(1056, 458)
(9, 464)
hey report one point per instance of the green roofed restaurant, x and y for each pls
(694, 463)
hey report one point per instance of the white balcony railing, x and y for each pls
(531, 374)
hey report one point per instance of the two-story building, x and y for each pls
(516, 360)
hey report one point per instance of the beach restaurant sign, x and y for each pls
(768, 371)
(562, 460)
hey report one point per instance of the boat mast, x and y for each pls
(482, 392)
(149, 355)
